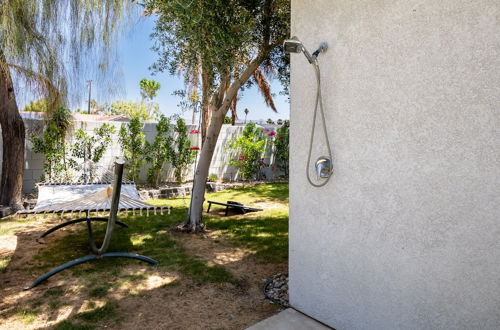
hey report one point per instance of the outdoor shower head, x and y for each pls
(294, 45)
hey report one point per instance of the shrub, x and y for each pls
(52, 144)
(213, 178)
(281, 148)
(158, 152)
(247, 150)
(181, 155)
(132, 141)
(92, 147)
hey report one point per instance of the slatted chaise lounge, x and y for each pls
(85, 198)
(100, 199)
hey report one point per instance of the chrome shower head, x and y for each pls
(294, 45)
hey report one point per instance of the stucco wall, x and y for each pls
(407, 233)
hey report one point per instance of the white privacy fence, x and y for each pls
(33, 168)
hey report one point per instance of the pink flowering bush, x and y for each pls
(248, 149)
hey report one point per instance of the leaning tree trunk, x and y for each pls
(193, 222)
(13, 135)
(215, 112)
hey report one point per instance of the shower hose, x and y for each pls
(318, 104)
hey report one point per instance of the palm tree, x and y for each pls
(37, 39)
(246, 111)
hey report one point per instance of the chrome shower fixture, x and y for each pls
(324, 164)
(324, 167)
(294, 45)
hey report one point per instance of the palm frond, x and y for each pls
(264, 88)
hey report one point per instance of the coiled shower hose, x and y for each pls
(318, 104)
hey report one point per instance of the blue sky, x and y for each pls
(136, 56)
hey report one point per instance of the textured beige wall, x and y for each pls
(407, 233)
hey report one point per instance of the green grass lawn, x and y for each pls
(263, 233)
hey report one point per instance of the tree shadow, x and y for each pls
(107, 292)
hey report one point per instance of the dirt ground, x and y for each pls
(159, 300)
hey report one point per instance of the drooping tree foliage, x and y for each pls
(220, 46)
(49, 47)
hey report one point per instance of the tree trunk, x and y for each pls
(215, 113)
(205, 105)
(13, 135)
(193, 222)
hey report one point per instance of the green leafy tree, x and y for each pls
(42, 47)
(270, 121)
(279, 122)
(92, 147)
(140, 110)
(228, 120)
(181, 155)
(52, 144)
(281, 148)
(247, 150)
(40, 105)
(158, 152)
(132, 141)
(220, 46)
(189, 101)
(149, 88)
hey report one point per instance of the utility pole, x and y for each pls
(89, 82)
(195, 106)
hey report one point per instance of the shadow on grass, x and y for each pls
(148, 236)
(267, 236)
(265, 232)
(277, 192)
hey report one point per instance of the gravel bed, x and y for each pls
(276, 289)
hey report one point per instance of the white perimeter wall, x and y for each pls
(33, 168)
(407, 233)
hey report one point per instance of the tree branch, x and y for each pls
(217, 101)
(266, 23)
(235, 86)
